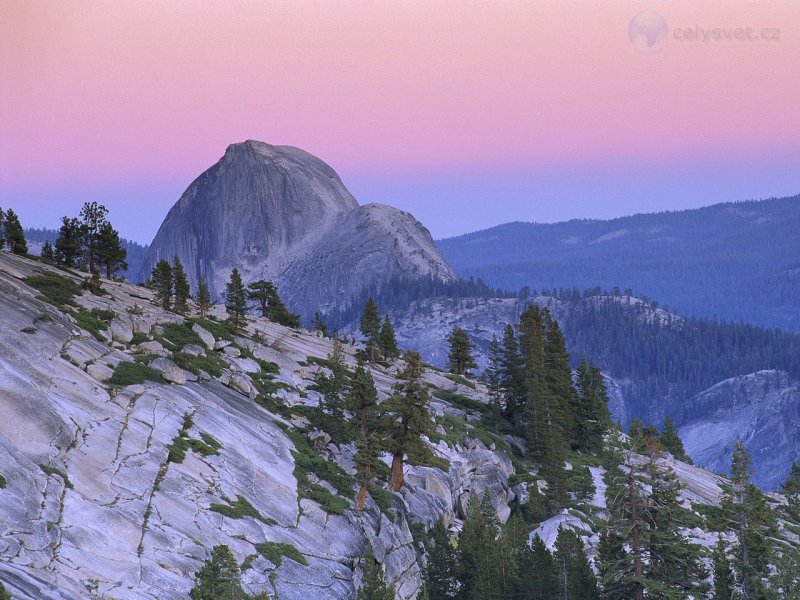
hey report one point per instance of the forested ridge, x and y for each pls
(737, 261)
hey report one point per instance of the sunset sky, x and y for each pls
(467, 114)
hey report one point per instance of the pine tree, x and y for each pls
(673, 570)
(265, 294)
(236, 301)
(373, 584)
(110, 251)
(723, 577)
(512, 378)
(161, 283)
(791, 488)
(493, 380)
(333, 386)
(370, 326)
(363, 401)
(69, 243)
(460, 357)
(441, 571)
(752, 520)
(14, 234)
(575, 577)
(387, 340)
(319, 324)
(592, 419)
(203, 298)
(219, 578)
(93, 216)
(181, 286)
(538, 577)
(2, 230)
(672, 441)
(407, 413)
(4, 595)
(48, 254)
(479, 560)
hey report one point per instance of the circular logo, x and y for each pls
(648, 32)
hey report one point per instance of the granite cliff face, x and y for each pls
(277, 212)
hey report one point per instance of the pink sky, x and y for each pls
(116, 95)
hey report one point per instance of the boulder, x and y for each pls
(169, 370)
(154, 347)
(121, 331)
(232, 351)
(205, 335)
(100, 371)
(193, 349)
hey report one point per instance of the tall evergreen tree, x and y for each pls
(14, 234)
(512, 378)
(373, 584)
(575, 577)
(319, 324)
(387, 340)
(93, 216)
(407, 414)
(269, 302)
(592, 419)
(69, 243)
(4, 595)
(48, 253)
(493, 384)
(791, 488)
(161, 282)
(460, 359)
(723, 577)
(333, 386)
(753, 521)
(203, 298)
(236, 301)
(370, 326)
(479, 557)
(219, 578)
(111, 254)
(672, 441)
(674, 571)
(538, 576)
(441, 570)
(363, 401)
(181, 286)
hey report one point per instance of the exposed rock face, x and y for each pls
(763, 409)
(279, 213)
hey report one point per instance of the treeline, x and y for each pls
(400, 291)
(675, 360)
(136, 252)
(532, 390)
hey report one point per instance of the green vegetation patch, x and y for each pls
(240, 509)
(383, 498)
(275, 551)
(178, 335)
(139, 338)
(220, 331)
(104, 314)
(3, 482)
(55, 289)
(47, 469)
(210, 364)
(87, 321)
(132, 373)
(460, 401)
(460, 380)
(307, 461)
(181, 443)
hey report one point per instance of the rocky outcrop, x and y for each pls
(762, 409)
(279, 213)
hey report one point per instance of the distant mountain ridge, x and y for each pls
(735, 261)
(280, 213)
